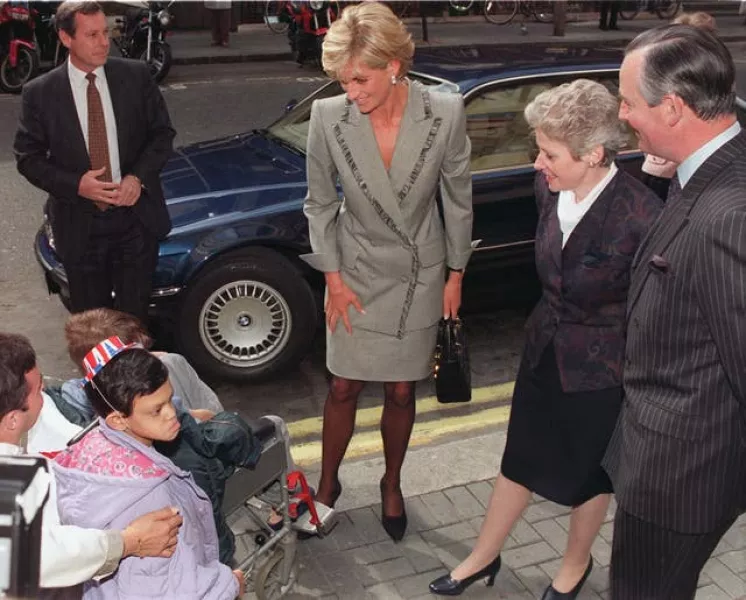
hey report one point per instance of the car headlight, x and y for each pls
(316, 4)
(164, 17)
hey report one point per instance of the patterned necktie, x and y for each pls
(98, 144)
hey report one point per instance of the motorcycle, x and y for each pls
(19, 61)
(309, 23)
(141, 34)
(49, 48)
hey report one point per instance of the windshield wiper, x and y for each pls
(278, 140)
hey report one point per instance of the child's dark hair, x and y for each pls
(130, 374)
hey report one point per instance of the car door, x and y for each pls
(503, 151)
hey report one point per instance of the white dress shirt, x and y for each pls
(79, 85)
(570, 212)
(694, 161)
(52, 430)
(71, 555)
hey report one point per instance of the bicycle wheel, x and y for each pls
(500, 12)
(629, 10)
(667, 9)
(543, 12)
(273, 16)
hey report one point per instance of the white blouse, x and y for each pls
(570, 213)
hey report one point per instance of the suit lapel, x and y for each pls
(70, 120)
(354, 134)
(118, 95)
(674, 217)
(416, 137)
(589, 230)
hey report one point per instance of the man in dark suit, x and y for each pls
(95, 133)
(678, 455)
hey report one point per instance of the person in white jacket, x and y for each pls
(69, 555)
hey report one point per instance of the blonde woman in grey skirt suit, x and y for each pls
(392, 265)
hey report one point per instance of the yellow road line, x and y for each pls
(369, 442)
(367, 417)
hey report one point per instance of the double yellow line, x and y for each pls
(369, 442)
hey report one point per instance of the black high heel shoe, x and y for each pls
(448, 586)
(551, 594)
(394, 526)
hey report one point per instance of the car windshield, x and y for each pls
(292, 128)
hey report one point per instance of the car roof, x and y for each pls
(471, 66)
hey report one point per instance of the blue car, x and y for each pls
(229, 284)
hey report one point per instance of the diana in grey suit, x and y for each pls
(391, 145)
(678, 455)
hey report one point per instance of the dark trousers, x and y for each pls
(649, 562)
(120, 257)
(221, 25)
(609, 12)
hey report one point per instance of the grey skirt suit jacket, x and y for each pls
(384, 233)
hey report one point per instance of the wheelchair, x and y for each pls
(265, 556)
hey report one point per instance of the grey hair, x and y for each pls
(582, 114)
(689, 62)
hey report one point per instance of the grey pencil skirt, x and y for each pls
(373, 356)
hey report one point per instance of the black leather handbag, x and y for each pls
(451, 371)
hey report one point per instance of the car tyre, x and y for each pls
(250, 315)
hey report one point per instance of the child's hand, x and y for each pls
(202, 414)
(241, 582)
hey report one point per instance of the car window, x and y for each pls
(500, 136)
(293, 127)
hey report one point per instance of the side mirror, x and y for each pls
(290, 105)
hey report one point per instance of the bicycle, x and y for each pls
(502, 12)
(276, 16)
(665, 9)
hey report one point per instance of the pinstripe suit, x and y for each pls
(678, 455)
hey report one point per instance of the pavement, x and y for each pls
(447, 487)
(255, 42)
(447, 484)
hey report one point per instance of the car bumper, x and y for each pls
(163, 300)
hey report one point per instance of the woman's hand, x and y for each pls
(338, 300)
(452, 295)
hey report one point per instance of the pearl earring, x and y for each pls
(393, 80)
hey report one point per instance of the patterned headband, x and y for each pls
(102, 353)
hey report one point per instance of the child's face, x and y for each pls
(153, 417)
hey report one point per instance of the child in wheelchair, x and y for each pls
(113, 474)
(210, 445)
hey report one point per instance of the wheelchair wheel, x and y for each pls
(268, 583)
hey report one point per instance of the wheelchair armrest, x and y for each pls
(263, 429)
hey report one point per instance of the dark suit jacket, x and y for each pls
(585, 285)
(678, 455)
(51, 152)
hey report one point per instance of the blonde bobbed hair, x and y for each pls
(582, 114)
(371, 33)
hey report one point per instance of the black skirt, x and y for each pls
(556, 440)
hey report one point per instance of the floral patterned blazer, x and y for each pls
(585, 285)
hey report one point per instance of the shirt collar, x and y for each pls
(77, 77)
(694, 161)
(10, 449)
